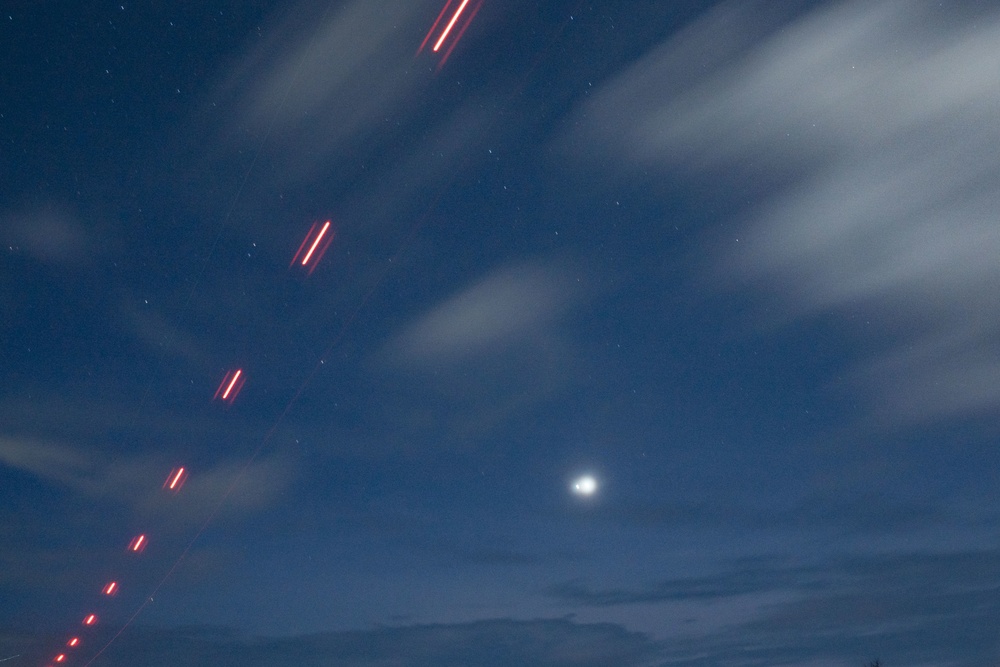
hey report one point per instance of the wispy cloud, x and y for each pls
(137, 477)
(729, 584)
(55, 462)
(340, 89)
(509, 305)
(334, 75)
(491, 352)
(863, 133)
(160, 332)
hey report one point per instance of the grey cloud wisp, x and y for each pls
(877, 122)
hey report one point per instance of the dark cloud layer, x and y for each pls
(908, 607)
(496, 643)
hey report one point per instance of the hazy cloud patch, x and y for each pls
(497, 557)
(346, 66)
(484, 357)
(509, 305)
(49, 233)
(56, 462)
(160, 332)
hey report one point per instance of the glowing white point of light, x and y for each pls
(585, 486)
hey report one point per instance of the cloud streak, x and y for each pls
(864, 135)
(349, 72)
(341, 91)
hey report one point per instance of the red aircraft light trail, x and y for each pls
(443, 37)
(231, 385)
(176, 480)
(313, 246)
(449, 27)
(138, 543)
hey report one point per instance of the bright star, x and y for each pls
(585, 486)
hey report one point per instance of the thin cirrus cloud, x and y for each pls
(869, 133)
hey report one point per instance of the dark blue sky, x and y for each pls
(738, 262)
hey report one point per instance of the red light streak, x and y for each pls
(176, 479)
(231, 386)
(316, 249)
(60, 657)
(138, 543)
(91, 619)
(111, 588)
(434, 27)
(455, 27)
(73, 642)
(450, 25)
(322, 233)
(229, 389)
(472, 15)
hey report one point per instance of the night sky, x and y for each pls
(737, 262)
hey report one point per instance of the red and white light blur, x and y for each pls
(111, 588)
(313, 247)
(90, 619)
(455, 25)
(175, 480)
(74, 642)
(138, 543)
(60, 658)
(230, 387)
